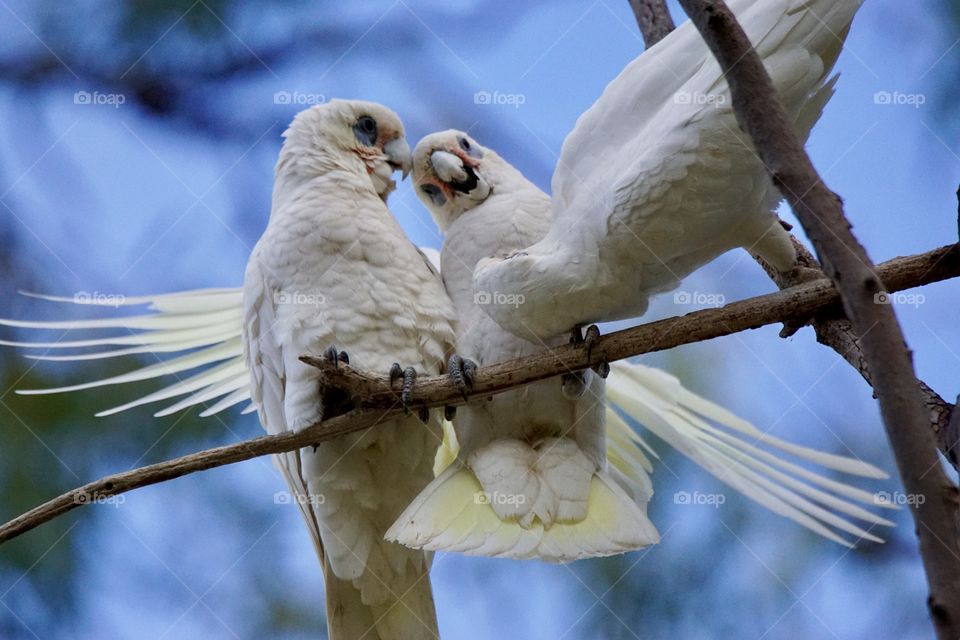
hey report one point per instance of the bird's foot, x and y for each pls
(409, 378)
(461, 372)
(590, 340)
(336, 356)
(800, 275)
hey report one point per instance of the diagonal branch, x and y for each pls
(378, 402)
(820, 211)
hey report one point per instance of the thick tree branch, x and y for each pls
(380, 403)
(819, 210)
(653, 18)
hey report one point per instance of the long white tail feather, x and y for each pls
(166, 367)
(207, 394)
(735, 451)
(234, 398)
(658, 402)
(190, 384)
(672, 394)
(159, 320)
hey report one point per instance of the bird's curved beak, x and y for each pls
(459, 176)
(399, 156)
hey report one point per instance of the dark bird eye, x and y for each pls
(365, 130)
(433, 192)
(464, 144)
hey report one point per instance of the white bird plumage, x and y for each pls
(657, 179)
(531, 479)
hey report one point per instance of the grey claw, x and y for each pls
(409, 377)
(336, 356)
(603, 369)
(462, 372)
(573, 385)
(424, 415)
(590, 338)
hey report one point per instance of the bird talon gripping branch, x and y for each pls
(409, 378)
(461, 372)
(336, 356)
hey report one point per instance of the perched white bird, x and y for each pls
(657, 178)
(333, 267)
(531, 480)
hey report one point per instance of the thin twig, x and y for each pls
(380, 404)
(820, 211)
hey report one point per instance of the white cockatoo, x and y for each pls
(657, 178)
(531, 479)
(333, 267)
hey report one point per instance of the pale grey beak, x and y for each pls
(449, 167)
(399, 156)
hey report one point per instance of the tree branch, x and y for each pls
(819, 210)
(653, 18)
(378, 402)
